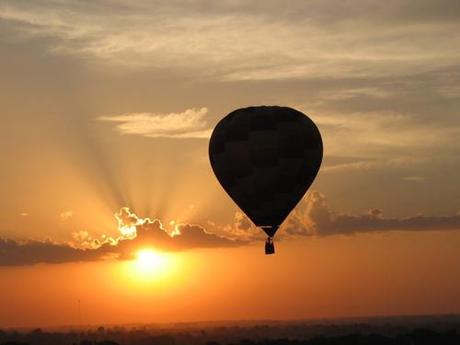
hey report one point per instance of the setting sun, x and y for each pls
(151, 265)
(150, 261)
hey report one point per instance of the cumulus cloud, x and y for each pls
(242, 229)
(190, 123)
(182, 237)
(314, 217)
(135, 233)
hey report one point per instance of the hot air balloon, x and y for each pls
(266, 158)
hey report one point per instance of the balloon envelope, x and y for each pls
(266, 158)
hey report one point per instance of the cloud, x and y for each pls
(190, 235)
(16, 253)
(83, 247)
(128, 222)
(190, 123)
(375, 84)
(314, 217)
(380, 133)
(241, 229)
(240, 40)
(359, 134)
(332, 164)
(152, 232)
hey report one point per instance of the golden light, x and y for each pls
(150, 261)
(150, 265)
(128, 231)
(128, 222)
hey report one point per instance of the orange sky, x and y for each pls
(367, 275)
(111, 104)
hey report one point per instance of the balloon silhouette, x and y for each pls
(266, 158)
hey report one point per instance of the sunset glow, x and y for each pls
(150, 265)
(114, 193)
(150, 261)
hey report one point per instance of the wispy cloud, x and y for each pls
(190, 123)
(381, 139)
(373, 131)
(237, 40)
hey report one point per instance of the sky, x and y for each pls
(106, 110)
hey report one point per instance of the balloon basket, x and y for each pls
(269, 246)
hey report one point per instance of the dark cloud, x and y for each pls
(196, 236)
(15, 253)
(312, 217)
(241, 229)
(150, 233)
(185, 236)
(315, 217)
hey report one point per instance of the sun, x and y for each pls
(149, 261)
(150, 265)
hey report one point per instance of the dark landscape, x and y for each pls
(386, 330)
